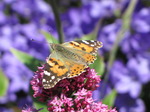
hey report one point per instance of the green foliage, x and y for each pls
(90, 36)
(3, 84)
(26, 59)
(49, 37)
(98, 65)
(110, 99)
(39, 105)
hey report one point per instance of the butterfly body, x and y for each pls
(68, 60)
(68, 53)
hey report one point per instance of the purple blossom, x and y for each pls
(77, 27)
(104, 8)
(108, 34)
(124, 80)
(141, 21)
(137, 42)
(139, 66)
(3, 18)
(101, 91)
(128, 104)
(17, 28)
(4, 109)
(11, 67)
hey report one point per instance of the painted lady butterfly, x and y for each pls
(69, 60)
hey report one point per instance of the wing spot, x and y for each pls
(55, 62)
(47, 73)
(51, 59)
(44, 80)
(83, 49)
(53, 77)
(92, 45)
(85, 41)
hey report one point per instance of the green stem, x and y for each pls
(126, 19)
(58, 21)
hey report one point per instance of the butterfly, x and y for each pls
(68, 60)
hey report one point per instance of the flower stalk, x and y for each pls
(58, 21)
(126, 20)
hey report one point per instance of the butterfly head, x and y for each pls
(57, 47)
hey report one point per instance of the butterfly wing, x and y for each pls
(89, 46)
(75, 68)
(86, 49)
(54, 71)
(58, 68)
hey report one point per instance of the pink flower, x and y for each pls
(62, 104)
(81, 101)
(88, 80)
(70, 94)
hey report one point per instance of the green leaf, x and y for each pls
(39, 105)
(90, 36)
(49, 37)
(98, 65)
(110, 98)
(26, 59)
(93, 35)
(3, 84)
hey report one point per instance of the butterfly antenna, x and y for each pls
(40, 41)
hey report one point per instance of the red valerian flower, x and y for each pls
(81, 102)
(88, 80)
(70, 94)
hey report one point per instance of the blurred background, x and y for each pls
(124, 61)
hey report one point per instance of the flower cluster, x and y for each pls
(87, 80)
(81, 102)
(70, 95)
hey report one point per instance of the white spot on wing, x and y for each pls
(44, 80)
(92, 45)
(85, 41)
(53, 77)
(47, 73)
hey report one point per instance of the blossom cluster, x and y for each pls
(70, 94)
(82, 102)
